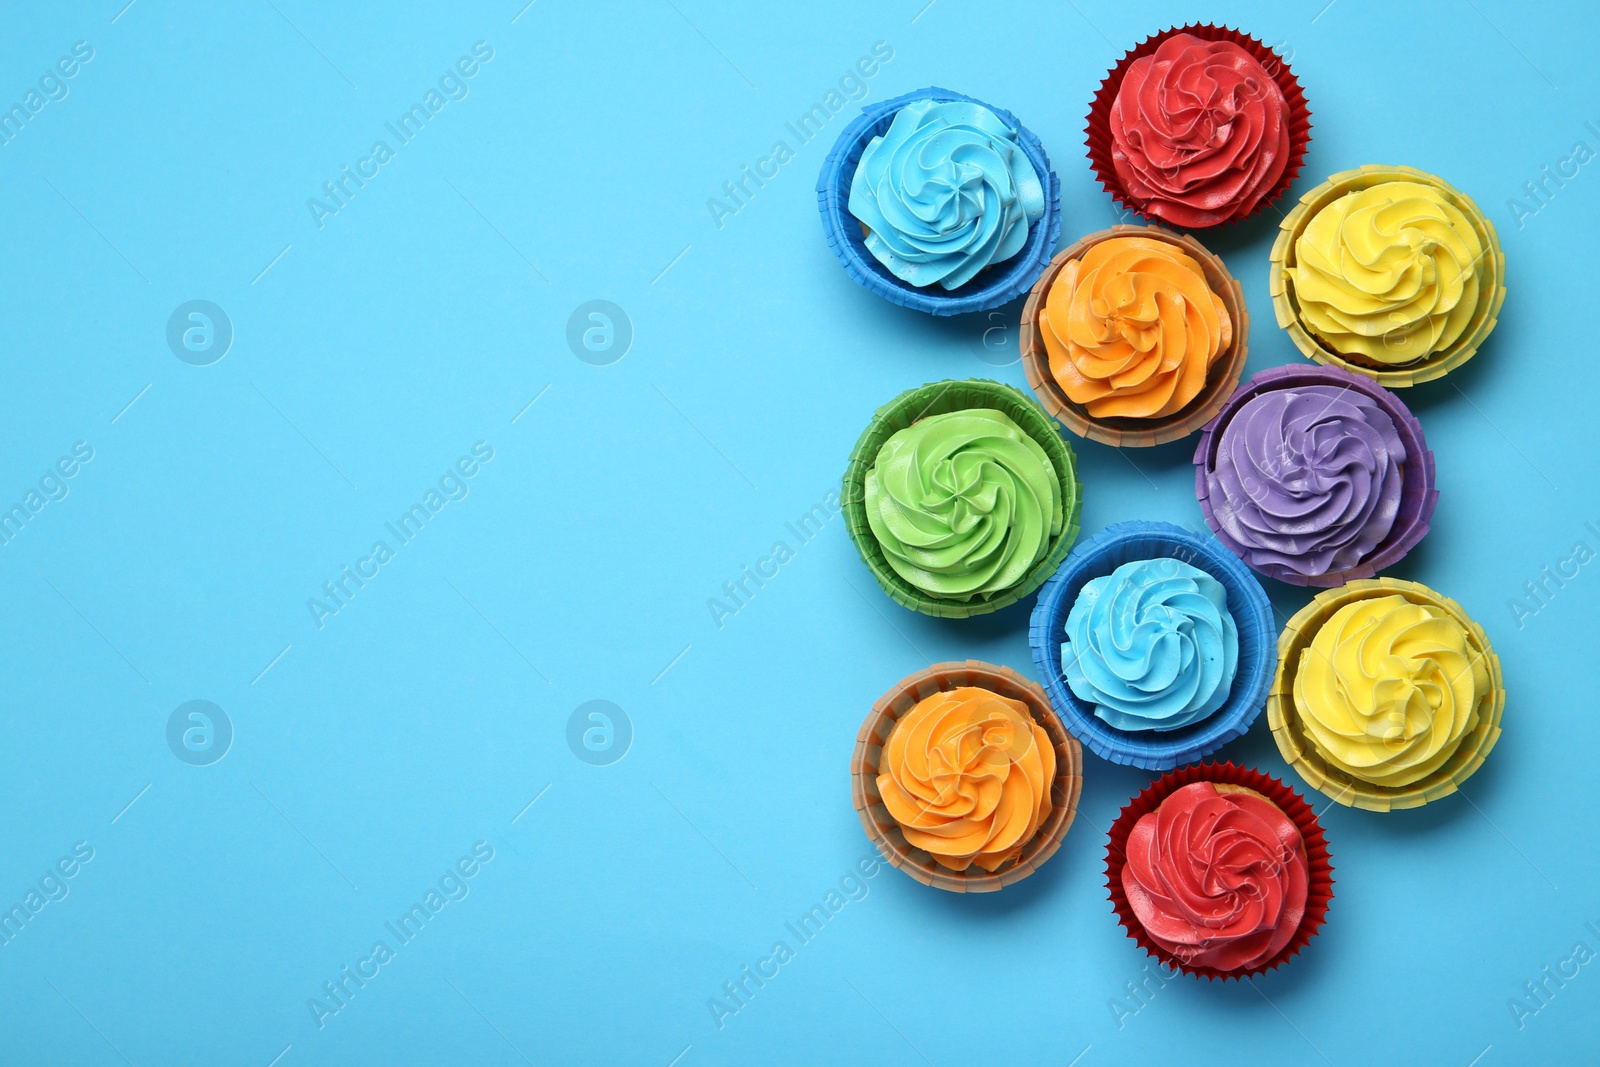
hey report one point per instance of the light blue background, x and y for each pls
(424, 716)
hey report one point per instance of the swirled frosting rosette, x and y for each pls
(961, 497)
(1198, 126)
(1154, 644)
(964, 778)
(1388, 271)
(1151, 645)
(1387, 694)
(1132, 328)
(967, 774)
(1315, 476)
(964, 503)
(1134, 336)
(1219, 871)
(944, 193)
(940, 202)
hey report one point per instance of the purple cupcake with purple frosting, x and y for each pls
(1315, 476)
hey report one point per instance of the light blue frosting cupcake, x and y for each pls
(1151, 645)
(946, 191)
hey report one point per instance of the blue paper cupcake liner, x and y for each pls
(991, 288)
(1103, 553)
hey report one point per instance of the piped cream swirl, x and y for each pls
(967, 775)
(1388, 689)
(1390, 273)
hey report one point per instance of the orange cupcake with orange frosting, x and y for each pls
(967, 774)
(1132, 328)
(1133, 335)
(964, 776)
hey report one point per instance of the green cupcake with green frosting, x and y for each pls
(962, 497)
(963, 504)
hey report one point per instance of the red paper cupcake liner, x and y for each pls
(1319, 890)
(1099, 121)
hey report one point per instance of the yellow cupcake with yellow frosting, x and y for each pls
(1388, 689)
(1388, 695)
(1389, 272)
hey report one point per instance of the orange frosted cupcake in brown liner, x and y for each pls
(1134, 336)
(964, 777)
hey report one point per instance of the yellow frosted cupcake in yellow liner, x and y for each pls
(1390, 272)
(1387, 694)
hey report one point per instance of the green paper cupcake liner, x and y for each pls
(1283, 715)
(938, 398)
(1491, 291)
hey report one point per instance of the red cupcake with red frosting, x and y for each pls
(1219, 871)
(1198, 126)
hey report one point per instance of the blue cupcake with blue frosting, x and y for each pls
(939, 202)
(1151, 646)
(1155, 643)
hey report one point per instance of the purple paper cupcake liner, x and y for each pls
(1156, 750)
(994, 287)
(1418, 496)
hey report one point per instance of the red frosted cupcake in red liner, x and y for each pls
(1198, 126)
(1219, 871)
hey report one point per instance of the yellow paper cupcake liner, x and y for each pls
(1283, 715)
(1491, 267)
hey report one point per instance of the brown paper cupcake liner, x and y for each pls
(1221, 381)
(1319, 889)
(1098, 129)
(885, 833)
(1283, 715)
(1491, 290)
